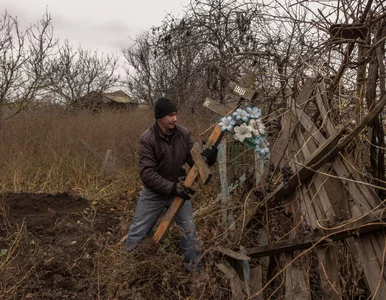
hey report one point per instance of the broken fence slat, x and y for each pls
(296, 284)
(232, 254)
(234, 280)
(354, 227)
(199, 163)
(318, 158)
(256, 283)
(227, 270)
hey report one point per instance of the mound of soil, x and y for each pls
(47, 244)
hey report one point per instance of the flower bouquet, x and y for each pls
(246, 126)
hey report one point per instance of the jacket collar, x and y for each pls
(168, 137)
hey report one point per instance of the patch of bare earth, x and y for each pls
(48, 243)
(62, 247)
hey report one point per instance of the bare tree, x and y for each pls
(23, 59)
(74, 74)
(217, 41)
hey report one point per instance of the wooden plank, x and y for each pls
(357, 226)
(339, 202)
(369, 248)
(177, 203)
(318, 199)
(361, 204)
(329, 273)
(241, 91)
(295, 276)
(243, 270)
(256, 283)
(227, 270)
(321, 156)
(319, 202)
(306, 91)
(288, 125)
(374, 277)
(368, 193)
(296, 285)
(324, 114)
(308, 124)
(324, 197)
(322, 201)
(232, 254)
(225, 192)
(277, 159)
(328, 268)
(305, 199)
(199, 163)
(217, 107)
(235, 282)
(237, 292)
(307, 206)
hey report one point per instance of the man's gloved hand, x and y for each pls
(210, 154)
(182, 191)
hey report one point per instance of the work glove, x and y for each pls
(210, 154)
(182, 191)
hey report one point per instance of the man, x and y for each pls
(163, 150)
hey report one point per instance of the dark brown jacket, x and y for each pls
(161, 158)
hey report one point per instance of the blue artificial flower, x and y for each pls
(241, 114)
(227, 123)
(262, 146)
(254, 112)
(256, 140)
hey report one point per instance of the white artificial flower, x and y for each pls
(227, 123)
(242, 132)
(258, 127)
(241, 114)
(254, 112)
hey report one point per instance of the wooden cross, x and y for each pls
(200, 168)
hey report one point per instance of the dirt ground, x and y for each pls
(50, 240)
(65, 247)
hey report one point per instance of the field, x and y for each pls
(69, 185)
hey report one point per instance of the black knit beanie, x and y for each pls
(163, 107)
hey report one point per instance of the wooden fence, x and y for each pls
(327, 197)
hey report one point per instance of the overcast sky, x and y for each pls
(104, 25)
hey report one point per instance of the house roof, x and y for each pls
(119, 96)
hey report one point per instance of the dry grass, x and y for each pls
(57, 151)
(52, 151)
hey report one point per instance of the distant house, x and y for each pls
(96, 101)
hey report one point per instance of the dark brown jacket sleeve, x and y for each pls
(148, 169)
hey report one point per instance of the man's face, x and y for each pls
(168, 122)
